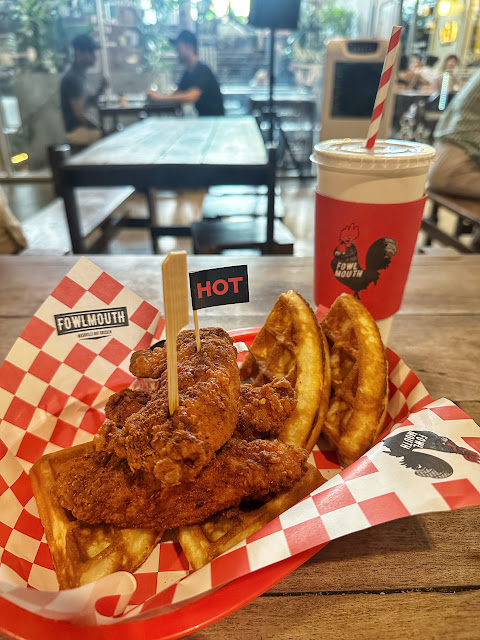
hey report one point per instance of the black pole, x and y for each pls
(272, 169)
(271, 82)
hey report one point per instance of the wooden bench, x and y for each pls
(216, 236)
(100, 216)
(468, 221)
(229, 201)
(231, 206)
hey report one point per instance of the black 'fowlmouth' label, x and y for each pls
(88, 320)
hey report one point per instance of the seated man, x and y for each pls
(80, 128)
(198, 84)
(456, 169)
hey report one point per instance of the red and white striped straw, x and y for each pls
(388, 65)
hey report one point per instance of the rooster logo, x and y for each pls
(410, 447)
(345, 263)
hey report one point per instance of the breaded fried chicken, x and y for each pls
(100, 487)
(125, 403)
(152, 363)
(263, 410)
(175, 448)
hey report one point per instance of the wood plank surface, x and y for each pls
(179, 141)
(411, 553)
(436, 285)
(439, 350)
(416, 576)
(430, 616)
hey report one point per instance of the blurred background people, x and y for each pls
(403, 76)
(12, 239)
(450, 66)
(81, 129)
(430, 70)
(456, 169)
(198, 85)
(410, 76)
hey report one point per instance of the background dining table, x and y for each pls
(414, 577)
(171, 153)
(136, 106)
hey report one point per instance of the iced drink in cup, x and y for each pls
(369, 205)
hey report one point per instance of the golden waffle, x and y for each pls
(201, 543)
(359, 376)
(291, 344)
(83, 553)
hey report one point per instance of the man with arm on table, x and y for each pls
(198, 84)
(80, 128)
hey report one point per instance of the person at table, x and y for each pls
(80, 128)
(198, 85)
(410, 76)
(450, 66)
(456, 169)
(429, 69)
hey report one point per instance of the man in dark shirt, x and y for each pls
(198, 85)
(80, 128)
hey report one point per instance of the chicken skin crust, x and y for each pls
(264, 410)
(101, 487)
(152, 363)
(176, 448)
(126, 402)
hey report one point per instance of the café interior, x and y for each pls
(314, 81)
(296, 183)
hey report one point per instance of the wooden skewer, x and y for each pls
(175, 297)
(197, 329)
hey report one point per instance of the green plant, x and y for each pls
(39, 29)
(320, 20)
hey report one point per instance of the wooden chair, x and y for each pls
(468, 221)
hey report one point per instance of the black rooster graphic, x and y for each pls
(409, 446)
(345, 263)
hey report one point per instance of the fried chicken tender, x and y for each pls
(152, 363)
(176, 448)
(263, 410)
(101, 487)
(125, 403)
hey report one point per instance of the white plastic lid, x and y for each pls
(349, 153)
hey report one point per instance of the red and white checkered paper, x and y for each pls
(52, 393)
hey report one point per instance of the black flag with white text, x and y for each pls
(215, 287)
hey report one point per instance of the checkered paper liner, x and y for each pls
(52, 392)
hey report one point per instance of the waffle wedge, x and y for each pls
(83, 553)
(359, 377)
(291, 344)
(204, 542)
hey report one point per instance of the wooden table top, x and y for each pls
(419, 576)
(191, 142)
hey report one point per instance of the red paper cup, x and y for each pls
(369, 206)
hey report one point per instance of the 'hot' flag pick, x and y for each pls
(214, 287)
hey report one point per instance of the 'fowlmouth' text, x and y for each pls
(82, 320)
